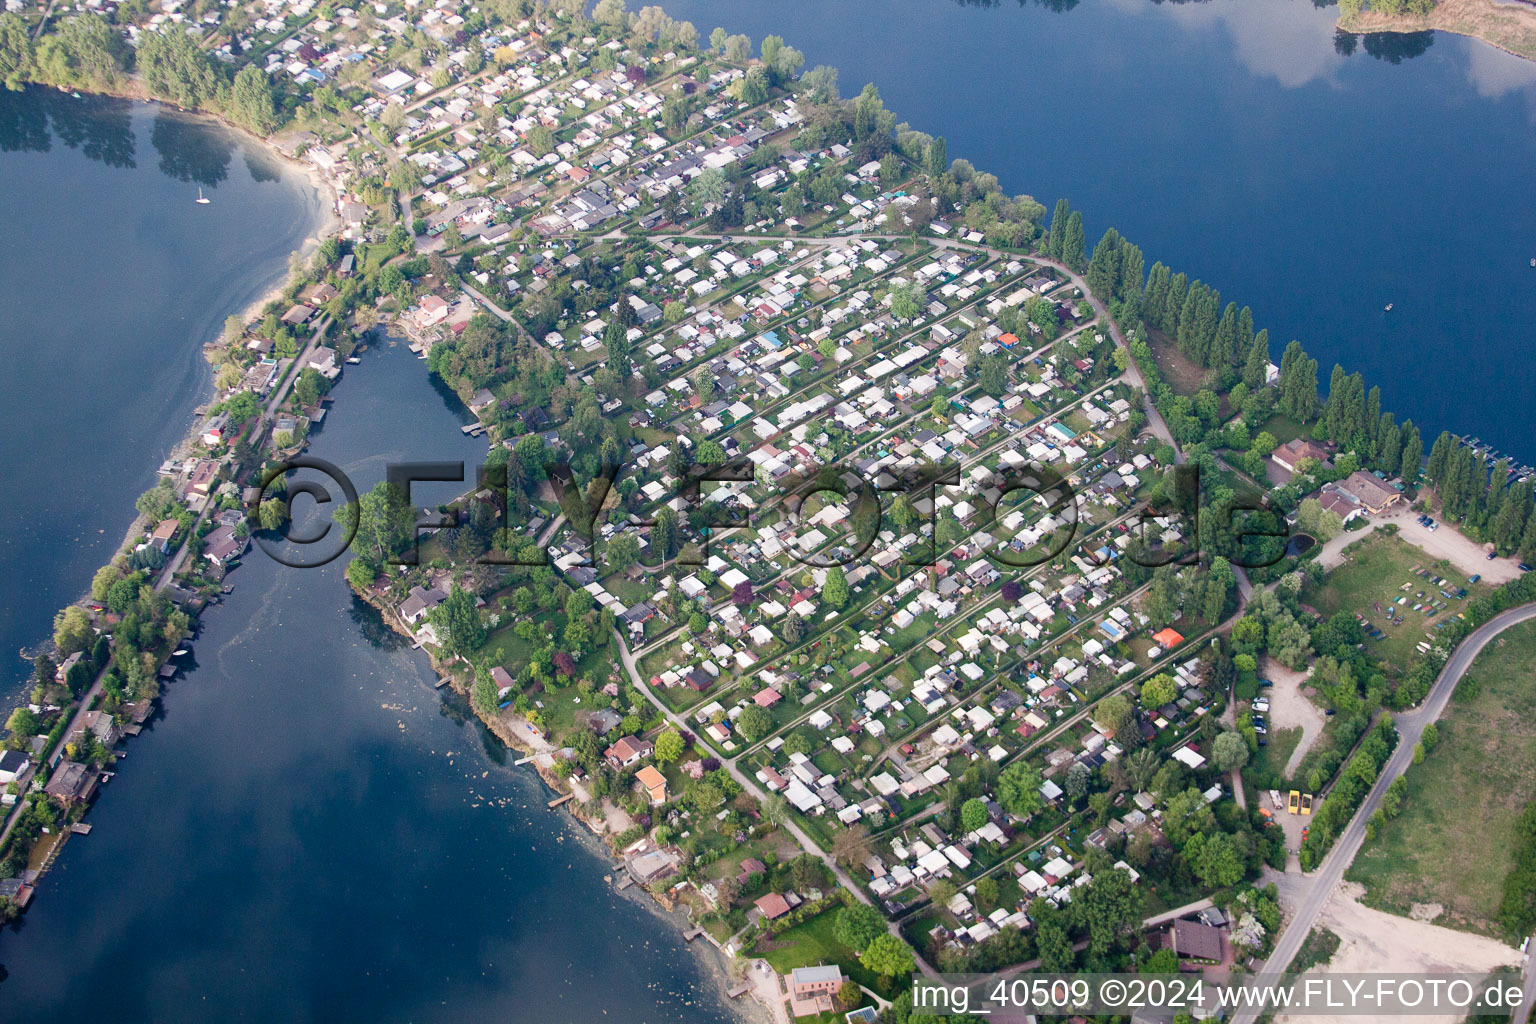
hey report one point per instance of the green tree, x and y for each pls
(1214, 859)
(1018, 790)
(16, 63)
(1230, 751)
(834, 590)
(72, 630)
(458, 622)
(385, 521)
(888, 957)
(857, 925)
(669, 746)
(1159, 690)
(250, 101)
(973, 814)
(754, 723)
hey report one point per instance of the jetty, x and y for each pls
(692, 934)
(81, 828)
(441, 683)
(561, 800)
(624, 883)
(522, 761)
(739, 990)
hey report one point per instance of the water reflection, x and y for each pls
(1396, 47)
(190, 151)
(99, 127)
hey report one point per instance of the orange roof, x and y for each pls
(1009, 340)
(772, 905)
(650, 778)
(1168, 637)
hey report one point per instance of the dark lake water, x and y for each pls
(306, 832)
(111, 280)
(1236, 140)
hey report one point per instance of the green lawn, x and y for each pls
(1270, 760)
(1452, 842)
(1370, 583)
(810, 943)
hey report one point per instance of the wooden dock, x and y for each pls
(564, 799)
(80, 828)
(689, 936)
(739, 990)
(441, 683)
(522, 761)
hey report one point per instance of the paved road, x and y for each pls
(1410, 726)
(1522, 1013)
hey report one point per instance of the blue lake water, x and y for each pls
(306, 832)
(1234, 140)
(111, 280)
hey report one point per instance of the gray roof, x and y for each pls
(816, 975)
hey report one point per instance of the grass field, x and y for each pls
(810, 943)
(1370, 583)
(1451, 843)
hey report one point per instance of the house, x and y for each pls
(1191, 940)
(298, 314)
(1296, 449)
(1167, 637)
(72, 783)
(163, 532)
(655, 784)
(419, 602)
(13, 764)
(1372, 494)
(812, 989)
(773, 906)
(221, 546)
(203, 476)
(627, 751)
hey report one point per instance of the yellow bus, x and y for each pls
(1295, 802)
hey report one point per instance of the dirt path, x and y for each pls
(1376, 942)
(1290, 709)
(1443, 542)
(1450, 544)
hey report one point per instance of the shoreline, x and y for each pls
(599, 843)
(328, 223)
(1509, 27)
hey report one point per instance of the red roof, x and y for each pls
(1168, 637)
(772, 905)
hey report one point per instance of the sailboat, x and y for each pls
(1389, 308)
(202, 200)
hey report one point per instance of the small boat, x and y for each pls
(77, 96)
(1389, 308)
(353, 360)
(180, 653)
(1533, 262)
(202, 200)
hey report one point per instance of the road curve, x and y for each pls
(1410, 726)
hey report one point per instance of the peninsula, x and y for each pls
(896, 582)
